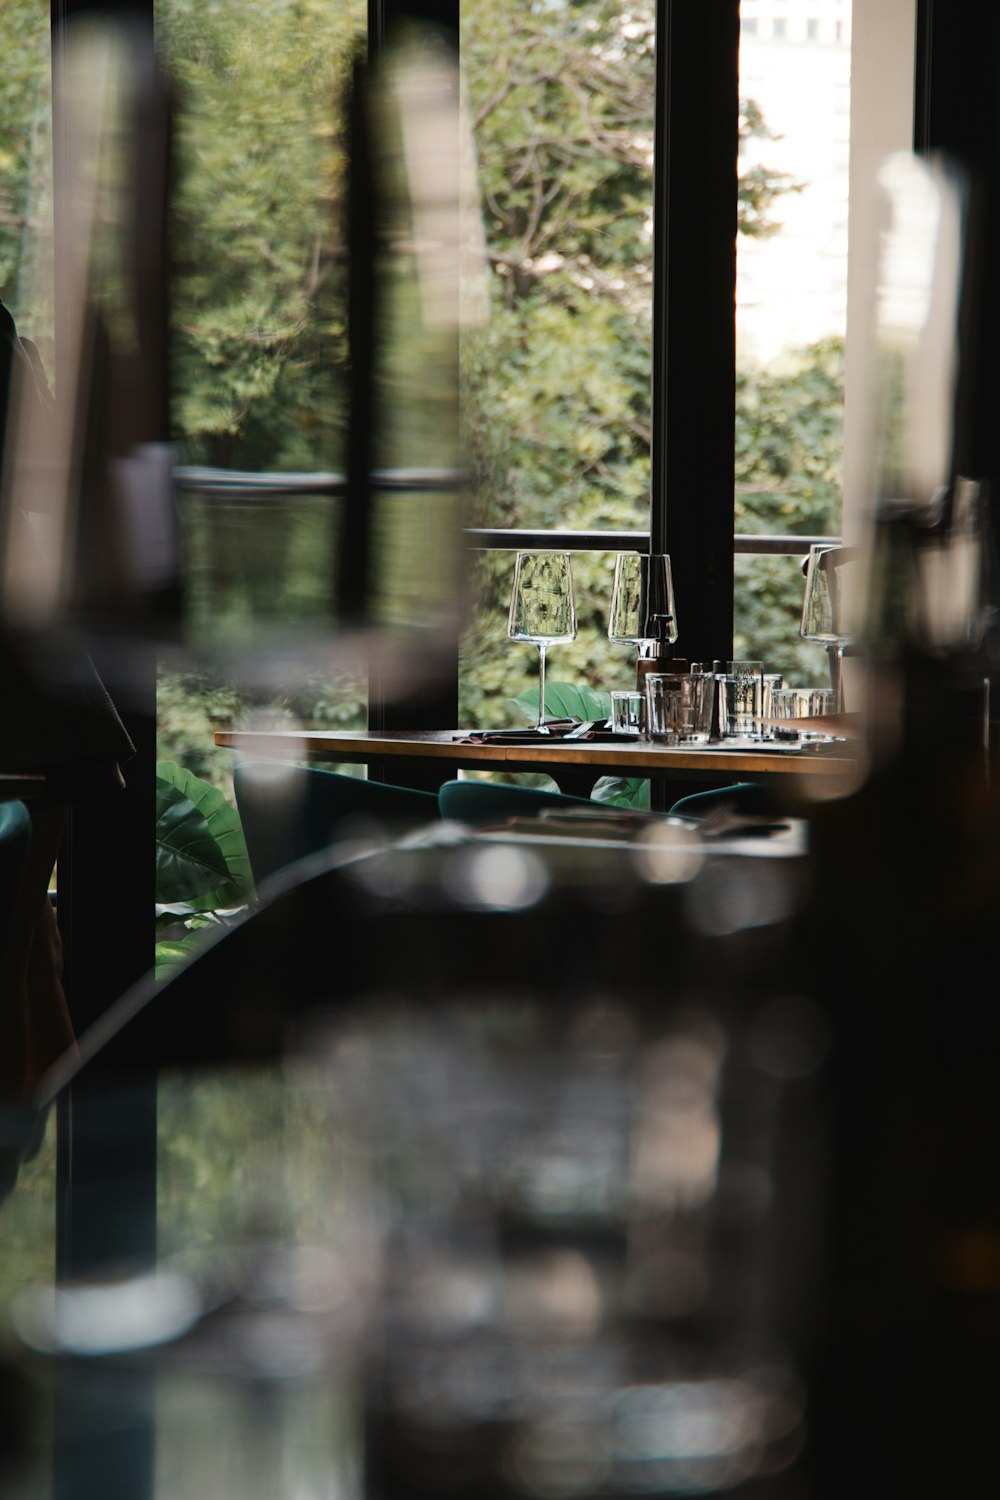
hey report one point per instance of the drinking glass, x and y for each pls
(628, 712)
(742, 700)
(823, 608)
(679, 706)
(583, 1211)
(643, 612)
(772, 681)
(542, 608)
(790, 705)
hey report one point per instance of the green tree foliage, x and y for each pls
(789, 436)
(789, 433)
(556, 391)
(556, 394)
(257, 232)
(27, 1204)
(26, 169)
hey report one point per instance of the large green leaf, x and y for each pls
(622, 791)
(172, 954)
(201, 854)
(564, 700)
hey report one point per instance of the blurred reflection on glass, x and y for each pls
(930, 592)
(237, 1356)
(591, 1284)
(920, 271)
(428, 266)
(920, 267)
(959, 596)
(195, 491)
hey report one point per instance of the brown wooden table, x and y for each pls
(819, 772)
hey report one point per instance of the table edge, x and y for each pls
(357, 747)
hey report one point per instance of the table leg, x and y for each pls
(578, 782)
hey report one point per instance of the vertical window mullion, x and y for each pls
(694, 294)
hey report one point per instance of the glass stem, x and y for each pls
(541, 685)
(835, 650)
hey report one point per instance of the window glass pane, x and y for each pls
(26, 173)
(556, 385)
(791, 311)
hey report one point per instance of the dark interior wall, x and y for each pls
(956, 111)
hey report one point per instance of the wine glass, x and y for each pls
(824, 615)
(542, 608)
(642, 602)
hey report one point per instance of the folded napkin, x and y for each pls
(553, 729)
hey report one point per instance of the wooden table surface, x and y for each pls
(627, 758)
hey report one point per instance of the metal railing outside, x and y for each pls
(234, 483)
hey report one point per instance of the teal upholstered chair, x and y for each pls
(479, 802)
(15, 845)
(743, 796)
(290, 811)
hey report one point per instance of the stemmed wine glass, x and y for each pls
(642, 602)
(824, 615)
(542, 608)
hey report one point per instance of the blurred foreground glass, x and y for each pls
(542, 608)
(825, 607)
(234, 1362)
(575, 1299)
(924, 585)
(225, 513)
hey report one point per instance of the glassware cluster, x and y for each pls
(669, 703)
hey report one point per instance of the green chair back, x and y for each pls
(288, 812)
(15, 845)
(480, 802)
(743, 796)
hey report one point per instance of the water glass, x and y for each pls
(679, 707)
(741, 700)
(790, 704)
(627, 712)
(772, 681)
